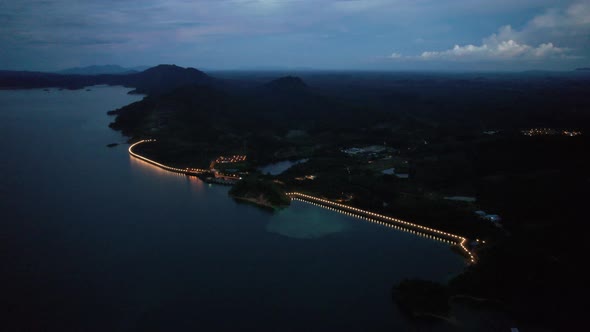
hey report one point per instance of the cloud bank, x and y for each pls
(502, 50)
(535, 41)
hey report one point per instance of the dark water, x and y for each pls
(279, 167)
(92, 240)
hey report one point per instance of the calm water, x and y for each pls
(92, 240)
(279, 167)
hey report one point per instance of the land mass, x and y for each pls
(443, 136)
(153, 81)
(398, 144)
(261, 192)
(422, 298)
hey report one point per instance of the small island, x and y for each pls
(262, 192)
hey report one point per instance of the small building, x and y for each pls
(306, 177)
(493, 217)
(489, 217)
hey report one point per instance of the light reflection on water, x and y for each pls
(138, 165)
(147, 168)
(291, 224)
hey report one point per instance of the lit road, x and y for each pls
(372, 217)
(391, 222)
(190, 171)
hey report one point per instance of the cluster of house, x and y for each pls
(232, 159)
(494, 218)
(305, 177)
(571, 133)
(550, 131)
(227, 160)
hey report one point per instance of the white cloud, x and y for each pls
(569, 26)
(580, 13)
(499, 50)
(547, 50)
(575, 14)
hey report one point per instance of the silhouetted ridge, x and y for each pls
(287, 84)
(164, 78)
(155, 80)
(174, 70)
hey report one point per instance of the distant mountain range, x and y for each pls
(101, 70)
(155, 80)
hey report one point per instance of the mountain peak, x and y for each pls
(171, 69)
(164, 78)
(287, 84)
(165, 67)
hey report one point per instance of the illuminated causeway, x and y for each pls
(189, 171)
(369, 216)
(383, 220)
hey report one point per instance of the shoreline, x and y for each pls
(258, 202)
(431, 233)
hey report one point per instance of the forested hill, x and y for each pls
(198, 112)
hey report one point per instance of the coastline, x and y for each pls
(258, 202)
(456, 241)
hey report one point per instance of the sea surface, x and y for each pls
(94, 240)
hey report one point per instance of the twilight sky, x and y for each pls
(290, 34)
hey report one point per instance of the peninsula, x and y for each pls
(261, 192)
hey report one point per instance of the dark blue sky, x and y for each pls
(318, 34)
